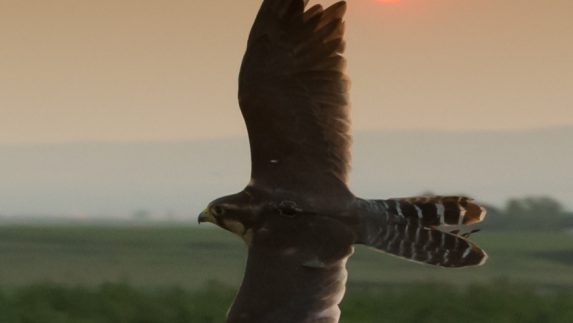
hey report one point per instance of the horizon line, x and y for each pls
(242, 136)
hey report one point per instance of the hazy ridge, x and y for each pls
(178, 178)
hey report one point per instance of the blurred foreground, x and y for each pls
(62, 274)
(121, 303)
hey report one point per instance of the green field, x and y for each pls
(189, 257)
(189, 274)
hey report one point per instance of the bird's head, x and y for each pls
(235, 213)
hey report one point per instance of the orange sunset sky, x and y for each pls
(167, 70)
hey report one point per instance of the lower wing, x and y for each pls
(296, 272)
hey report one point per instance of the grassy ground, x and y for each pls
(415, 303)
(187, 257)
(186, 274)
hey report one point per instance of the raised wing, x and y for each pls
(296, 272)
(293, 95)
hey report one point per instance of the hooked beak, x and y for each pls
(206, 216)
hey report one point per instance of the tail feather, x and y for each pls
(437, 210)
(413, 241)
(407, 228)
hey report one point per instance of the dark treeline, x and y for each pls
(530, 214)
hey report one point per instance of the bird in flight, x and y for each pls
(297, 215)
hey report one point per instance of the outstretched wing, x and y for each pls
(296, 272)
(293, 95)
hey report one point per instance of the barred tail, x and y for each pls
(437, 210)
(407, 228)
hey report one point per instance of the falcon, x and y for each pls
(297, 214)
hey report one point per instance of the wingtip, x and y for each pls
(338, 9)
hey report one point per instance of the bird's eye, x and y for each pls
(217, 210)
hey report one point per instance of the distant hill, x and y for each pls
(177, 179)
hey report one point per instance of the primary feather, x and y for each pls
(293, 95)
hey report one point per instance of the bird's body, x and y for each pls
(297, 215)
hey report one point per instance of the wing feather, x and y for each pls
(293, 94)
(296, 272)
